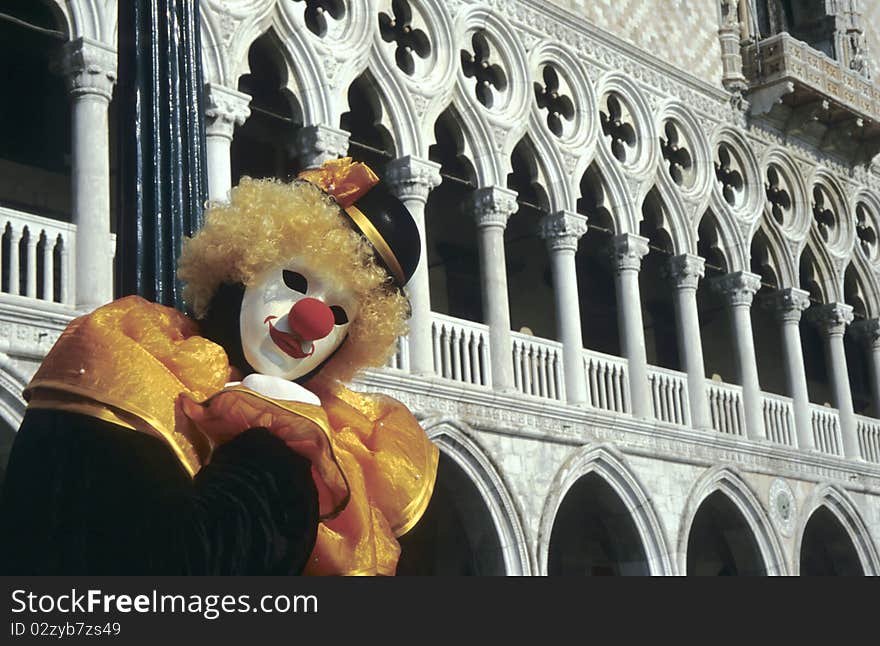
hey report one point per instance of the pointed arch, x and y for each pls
(555, 179)
(455, 440)
(662, 202)
(719, 244)
(844, 509)
(606, 462)
(860, 283)
(816, 274)
(728, 482)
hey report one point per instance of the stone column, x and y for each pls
(319, 143)
(869, 334)
(491, 207)
(730, 35)
(412, 180)
(832, 319)
(686, 271)
(739, 288)
(788, 305)
(90, 70)
(627, 253)
(562, 231)
(225, 109)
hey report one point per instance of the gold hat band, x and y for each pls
(372, 234)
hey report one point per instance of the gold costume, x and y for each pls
(133, 363)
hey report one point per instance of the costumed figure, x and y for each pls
(158, 444)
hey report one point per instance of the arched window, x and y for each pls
(826, 548)
(594, 534)
(721, 543)
(456, 535)
(34, 112)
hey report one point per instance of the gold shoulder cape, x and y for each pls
(128, 362)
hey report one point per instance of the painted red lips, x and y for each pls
(289, 343)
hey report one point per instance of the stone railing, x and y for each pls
(669, 395)
(537, 366)
(461, 350)
(37, 257)
(779, 419)
(400, 359)
(726, 408)
(826, 429)
(868, 431)
(607, 382)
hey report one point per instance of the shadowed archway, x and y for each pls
(456, 536)
(826, 548)
(721, 543)
(594, 534)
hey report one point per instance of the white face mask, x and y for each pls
(293, 319)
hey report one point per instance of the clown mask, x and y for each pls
(293, 319)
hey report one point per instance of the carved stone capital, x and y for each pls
(412, 178)
(788, 304)
(225, 108)
(562, 230)
(868, 332)
(492, 206)
(686, 270)
(319, 143)
(831, 318)
(739, 287)
(627, 251)
(89, 67)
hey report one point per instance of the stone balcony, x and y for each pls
(461, 360)
(806, 94)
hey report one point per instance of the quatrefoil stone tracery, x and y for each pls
(551, 98)
(477, 64)
(675, 152)
(729, 174)
(317, 11)
(398, 28)
(778, 195)
(823, 213)
(617, 125)
(865, 232)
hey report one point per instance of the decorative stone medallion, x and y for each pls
(782, 509)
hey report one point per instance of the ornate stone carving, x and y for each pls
(781, 503)
(676, 152)
(788, 304)
(739, 287)
(89, 67)
(562, 230)
(686, 270)
(831, 318)
(398, 28)
(319, 143)
(224, 108)
(478, 64)
(409, 177)
(492, 206)
(627, 251)
(551, 98)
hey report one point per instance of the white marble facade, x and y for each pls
(526, 418)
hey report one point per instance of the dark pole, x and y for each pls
(163, 184)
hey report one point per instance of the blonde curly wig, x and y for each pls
(267, 223)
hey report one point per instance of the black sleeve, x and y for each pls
(84, 496)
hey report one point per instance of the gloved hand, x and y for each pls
(303, 428)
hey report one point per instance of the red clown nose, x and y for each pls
(310, 319)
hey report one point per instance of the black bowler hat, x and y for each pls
(374, 211)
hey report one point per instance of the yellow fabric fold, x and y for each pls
(129, 363)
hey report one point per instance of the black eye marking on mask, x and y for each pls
(296, 282)
(339, 315)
